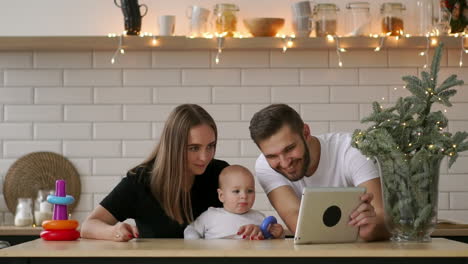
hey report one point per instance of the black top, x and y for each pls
(132, 198)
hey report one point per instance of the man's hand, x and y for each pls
(365, 217)
(123, 232)
(251, 232)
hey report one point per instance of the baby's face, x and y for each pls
(237, 192)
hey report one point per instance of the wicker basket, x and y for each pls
(39, 170)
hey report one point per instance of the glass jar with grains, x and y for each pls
(23, 214)
(325, 16)
(392, 18)
(225, 19)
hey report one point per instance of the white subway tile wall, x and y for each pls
(106, 118)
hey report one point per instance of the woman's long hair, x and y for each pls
(170, 183)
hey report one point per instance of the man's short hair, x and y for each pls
(266, 122)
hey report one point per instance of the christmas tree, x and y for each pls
(409, 140)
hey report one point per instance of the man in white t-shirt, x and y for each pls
(292, 158)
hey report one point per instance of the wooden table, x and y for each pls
(440, 250)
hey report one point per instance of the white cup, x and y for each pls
(166, 25)
(301, 9)
(198, 17)
(302, 26)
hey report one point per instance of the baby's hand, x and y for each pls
(251, 232)
(276, 230)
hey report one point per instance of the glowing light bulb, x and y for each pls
(377, 49)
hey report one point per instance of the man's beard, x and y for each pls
(305, 164)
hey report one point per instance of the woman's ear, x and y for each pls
(220, 195)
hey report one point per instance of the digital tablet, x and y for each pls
(324, 215)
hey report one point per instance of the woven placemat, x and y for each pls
(39, 171)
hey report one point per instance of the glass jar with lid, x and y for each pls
(42, 208)
(23, 214)
(358, 19)
(325, 17)
(225, 16)
(392, 18)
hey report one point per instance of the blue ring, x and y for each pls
(60, 200)
(265, 224)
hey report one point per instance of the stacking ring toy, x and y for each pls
(265, 224)
(60, 235)
(66, 200)
(60, 228)
(59, 224)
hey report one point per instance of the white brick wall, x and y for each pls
(107, 117)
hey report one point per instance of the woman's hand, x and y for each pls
(123, 232)
(251, 232)
(276, 230)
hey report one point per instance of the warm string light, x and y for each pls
(220, 45)
(154, 41)
(425, 53)
(338, 51)
(381, 43)
(463, 49)
(119, 49)
(287, 42)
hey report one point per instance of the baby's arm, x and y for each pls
(196, 230)
(276, 230)
(191, 233)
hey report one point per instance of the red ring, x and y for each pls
(60, 235)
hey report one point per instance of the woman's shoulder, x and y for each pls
(139, 174)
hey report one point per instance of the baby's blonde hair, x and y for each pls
(232, 169)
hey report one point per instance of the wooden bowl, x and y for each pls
(263, 26)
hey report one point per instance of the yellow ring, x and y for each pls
(60, 224)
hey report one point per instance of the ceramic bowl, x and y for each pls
(263, 26)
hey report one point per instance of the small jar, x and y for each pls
(42, 208)
(23, 214)
(357, 19)
(325, 16)
(226, 19)
(392, 18)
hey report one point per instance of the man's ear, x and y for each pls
(306, 131)
(220, 195)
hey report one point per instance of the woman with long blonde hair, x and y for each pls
(164, 193)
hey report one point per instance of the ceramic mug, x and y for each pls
(198, 17)
(166, 25)
(302, 26)
(301, 9)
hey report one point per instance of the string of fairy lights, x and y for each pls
(288, 42)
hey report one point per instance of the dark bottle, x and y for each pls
(132, 16)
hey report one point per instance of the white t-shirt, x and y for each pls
(340, 165)
(219, 223)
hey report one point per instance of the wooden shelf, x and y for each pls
(20, 231)
(183, 43)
